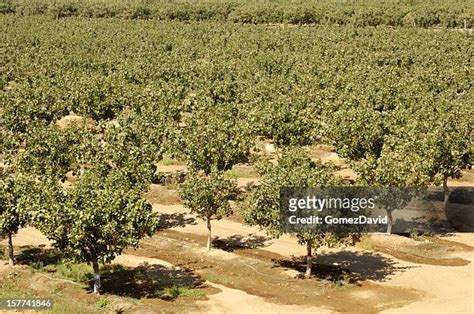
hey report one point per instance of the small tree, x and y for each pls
(208, 197)
(401, 173)
(95, 219)
(448, 147)
(385, 149)
(295, 169)
(12, 213)
(215, 138)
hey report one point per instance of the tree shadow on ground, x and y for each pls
(148, 281)
(458, 195)
(347, 266)
(240, 242)
(421, 225)
(167, 221)
(38, 257)
(144, 281)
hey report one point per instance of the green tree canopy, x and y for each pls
(12, 215)
(215, 138)
(208, 197)
(94, 219)
(294, 169)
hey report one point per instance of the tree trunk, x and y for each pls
(11, 260)
(309, 260)
(95, 266)
(389, 221)
(208, 234)
(446, 193)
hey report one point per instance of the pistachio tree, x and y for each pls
(448, 145)
(214, 139)
(381, 147)
(95, 219)
(208, 197)
(295, 169)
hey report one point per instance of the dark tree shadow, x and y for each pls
(348, 266)
(147, 281)
(144, 281)
(167, 221)
(170, 178)
(461, 217)
(38, 257)
(240, 242)
(458, 215)
(458, 219)
(457, 195)
(421, 225)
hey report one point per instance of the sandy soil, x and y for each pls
(245, 182)
(464, 238)
(170, 168)
(236, 301)
(447, 289)
(29, 237)
(225, 228)
(227, 300)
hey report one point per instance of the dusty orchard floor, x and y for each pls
(383, 283)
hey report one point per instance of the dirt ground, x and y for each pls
(389, 284)
(226, 299)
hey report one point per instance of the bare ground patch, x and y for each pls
(419, 252)
(331, 287)
(160, 194)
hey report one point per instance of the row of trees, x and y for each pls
(103, 211)
(393, 151)
(326, 12)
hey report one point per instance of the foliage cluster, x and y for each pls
(433, 13)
